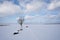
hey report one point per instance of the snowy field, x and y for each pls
(33, 32)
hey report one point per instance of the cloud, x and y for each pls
(8, 8)
(48, 18)
(53, 5)
(31, 5)
(29, 17)
(34, 6)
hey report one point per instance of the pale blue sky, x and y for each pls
(34, 11)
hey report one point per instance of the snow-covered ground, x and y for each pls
(33, 32)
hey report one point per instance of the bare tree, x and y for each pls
(20, 21)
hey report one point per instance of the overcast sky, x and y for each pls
(34, 11)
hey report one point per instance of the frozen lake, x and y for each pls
(33, 32)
